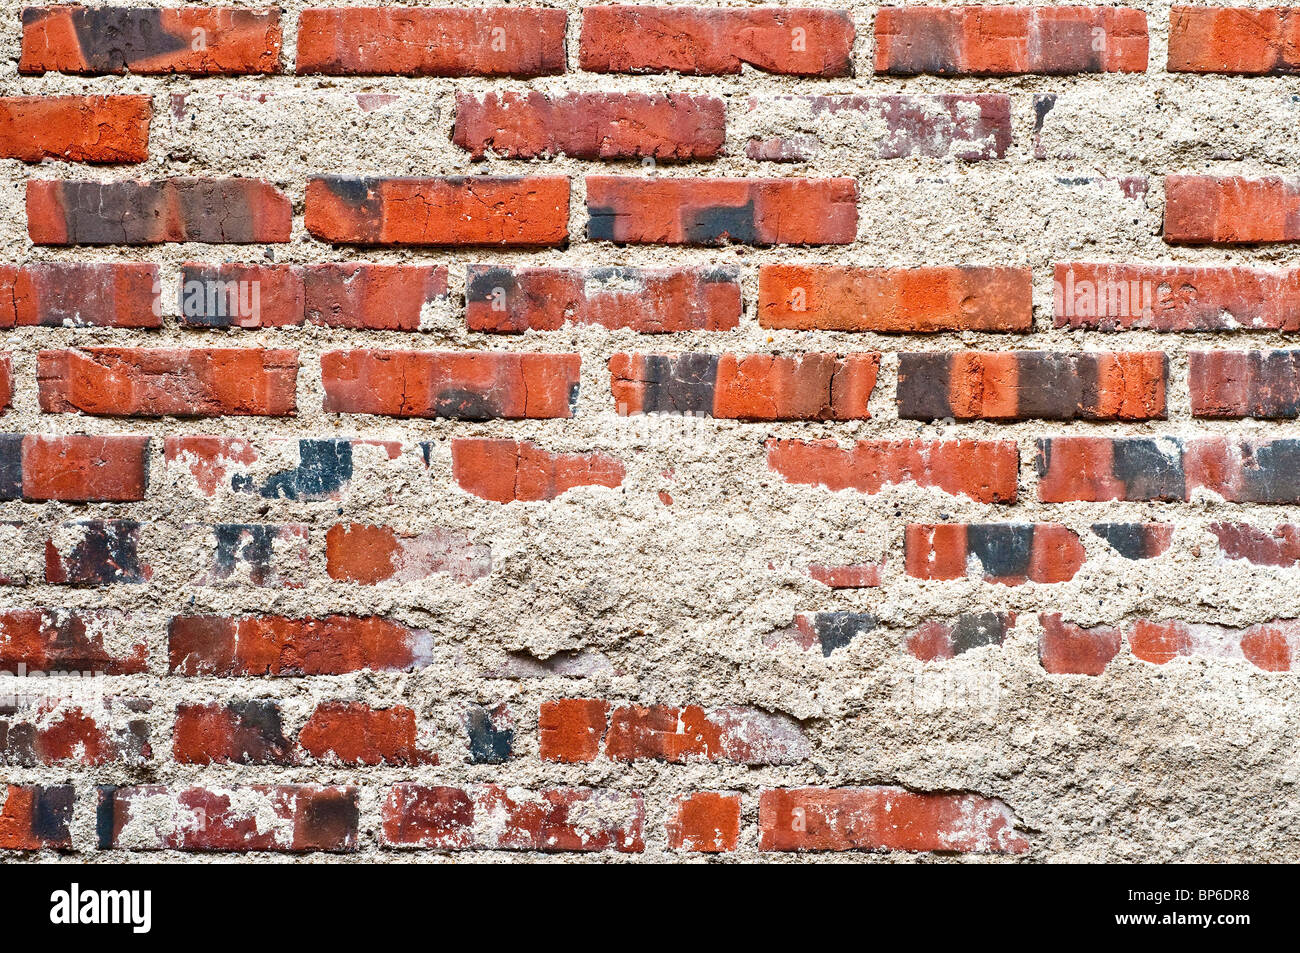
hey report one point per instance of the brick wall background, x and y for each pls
(657, 432)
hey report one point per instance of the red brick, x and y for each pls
(508, 470)
(112, 40)
(241, 296)
(113, 730)
(690, 734)
(454, 210)
(689, 211)
(1271, 646)
(1261, 546)
(208, 459)
(1068, 649)
(6, 380)
(1231, 210)
(698, 41)
(1247, 42)
(571, 729)
(396, 41)
(279, 646)
(239, 732)
(809, 386)
(157, 382)
(803, 128)
(354, 733)
(530, 125)
(35, 817)
(74, 469)
(1233, 384)
(372, 297)
(984, 470)
(1009, 41)
(1008, 553)
(1024, 385)
(219, 211)
(704, 822)
(63, 640)
(368, 555)
(74, 294)
(253, 817)
(493, 817)
(75, 128)
(908, 300)
(1168, 468)
(1111, 297)
(466, 386)
(886, 818)
(862, 576)
(646, 300)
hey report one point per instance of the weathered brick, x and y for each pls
(1110, 297)
(216, 211)
(1023, 385)
(886, 818)
(319, 469)
(948, 638)
(984, 470)
(113, 730)
(253, 817)
(240, 296)
(508, 470)
(646, 300)
(1068, 649)
(672, 211)
(465, 386)
(1168, 468)
(827, 631)
(697, 41)
(690, 733)
(455, 210)
(1228, 384)
(73, 469)
(179, 382)
(809, 386)
(255, 554)
(1271, 646)
(531, 124)
(1240, 40)
(1231, 210)
(801, 128)
(1007, 553)
(908, 300)
(280, 646)
(571, 729)
(397, 41)
(96, 553)
(113, 40)
(368, 555)
(704, 822)
(74, 294)
(36, 817)
(108, 129)
(1008, 41)
(494, 817)
(75, 642)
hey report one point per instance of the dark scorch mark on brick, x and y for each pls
(491, 736)
(106, 552)
(1136, 540)
(1003, 549)
(719, 224)
(324, 468)
(942, 639)
(51, 812)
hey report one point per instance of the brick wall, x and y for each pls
(649, 431)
